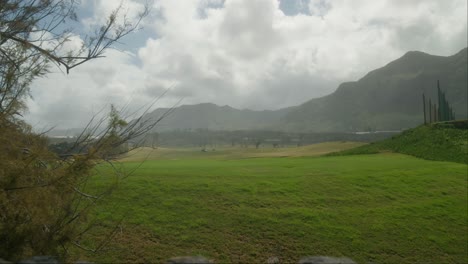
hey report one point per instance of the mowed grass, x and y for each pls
(383, 208)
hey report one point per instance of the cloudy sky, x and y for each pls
(257, 54)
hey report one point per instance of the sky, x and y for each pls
(255, 54)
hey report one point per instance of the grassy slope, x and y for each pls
(387, 208)
(441, 141)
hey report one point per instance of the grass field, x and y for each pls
(238, 152)
(236, 206)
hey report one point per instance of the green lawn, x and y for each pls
(385, 208)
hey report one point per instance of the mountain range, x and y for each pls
(388, 98)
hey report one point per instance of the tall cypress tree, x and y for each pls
(439, 102)
(430, 111)
(424, 108)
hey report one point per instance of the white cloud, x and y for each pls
(247, 46)
(250, 54)
(129, 9)
(71, 100)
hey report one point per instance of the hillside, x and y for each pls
(388, 98)
(213, 117)
(440, 141)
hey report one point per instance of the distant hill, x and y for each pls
(212, 117)
(440, 141)
(388, 98)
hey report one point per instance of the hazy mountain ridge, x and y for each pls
(387, 98)
(213, 117)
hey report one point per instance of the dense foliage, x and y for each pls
(42, 203)
(37, 198)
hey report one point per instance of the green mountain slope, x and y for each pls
(388, 98)
(440, 141)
